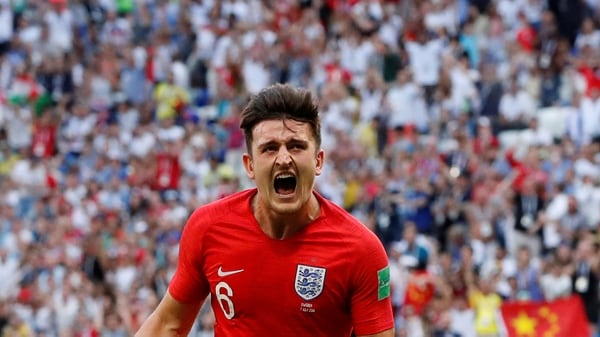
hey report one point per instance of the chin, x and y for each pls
(286, 203)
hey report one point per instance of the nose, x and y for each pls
(283, 157)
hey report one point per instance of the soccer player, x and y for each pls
(278, 259)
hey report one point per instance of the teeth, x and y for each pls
(284, 175)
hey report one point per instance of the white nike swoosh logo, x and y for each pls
(222, 273)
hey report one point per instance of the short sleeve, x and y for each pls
(188, 283)
(371, 305)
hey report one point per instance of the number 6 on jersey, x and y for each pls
(224, 292)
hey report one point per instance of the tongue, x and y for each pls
(285, 190)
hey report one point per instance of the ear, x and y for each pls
(247, 161)
(320, 159)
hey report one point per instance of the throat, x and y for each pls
(280, 229)
(283, 226)
(282, 232)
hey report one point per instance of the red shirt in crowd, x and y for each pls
(419, 292)
(524, 172)
(43, 142)
(592, 78)
(481, 144)
(337, 74)
(526, 37)
(168, 171)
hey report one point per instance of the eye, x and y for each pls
(296, 147)
(269, 149)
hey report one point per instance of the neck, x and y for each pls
(282, 226)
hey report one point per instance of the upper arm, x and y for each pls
(171, 318)
(386, 333)
(370, 301)
(189, 283)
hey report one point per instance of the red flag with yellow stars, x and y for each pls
(559, 318)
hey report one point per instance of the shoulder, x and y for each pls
(340, 216)
(237, 204)
(349, 228)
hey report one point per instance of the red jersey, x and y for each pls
(592, 78)
(43, 140)
(330, 278)
(419, 292)
(168, 171)
(336, 73)
(526, 37)
(524, 172)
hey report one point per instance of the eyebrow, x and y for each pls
(266, 144)
(290, 141)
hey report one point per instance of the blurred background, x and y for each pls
(465, 134)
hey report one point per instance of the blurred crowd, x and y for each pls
(119, 117)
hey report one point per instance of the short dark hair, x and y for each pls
(281, 101)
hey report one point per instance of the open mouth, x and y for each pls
(285, 184)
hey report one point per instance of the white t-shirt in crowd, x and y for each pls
(224, 47)
(555, 210)
(425, 61)
(557, 207)
(239, 9)
(356, 57)
(462, 322)
(66, 308)
(517, 106)
(17, 126)
(463, 88)
(181, 74)
(509, 10)
(124, 277)
(75, 195)
(445, 18)
(29, 174)
(406, 103)
(389, 30)
(538, 136)
(60, 30)
(591, 116)
(370, 104)
(142, 144)
(592, 39)
(9, 269)
(554, 287)
(6, 21)
(76, 130)
(267, 36)
(256, 75)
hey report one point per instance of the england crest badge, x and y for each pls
(309, 281)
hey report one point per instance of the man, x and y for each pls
(585, 280)
(6, 27)
(278, 259)
(485, 303)
(527, 229)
